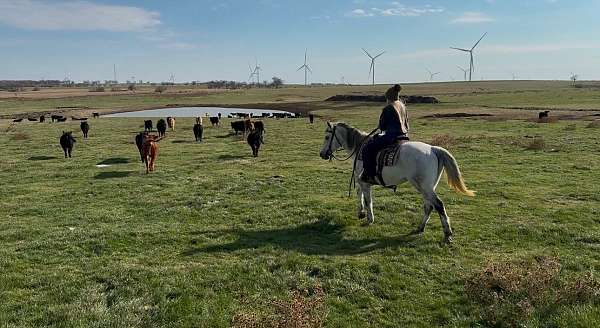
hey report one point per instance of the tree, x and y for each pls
(277, 82)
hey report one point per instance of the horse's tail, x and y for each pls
(455, 179)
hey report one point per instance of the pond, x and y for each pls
(194, 112)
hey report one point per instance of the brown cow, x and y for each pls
(150, 151)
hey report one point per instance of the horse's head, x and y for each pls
(332, 142)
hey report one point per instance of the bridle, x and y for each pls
(356, 149)
(330, 152)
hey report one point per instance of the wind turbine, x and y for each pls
(432, 75)
(306, 69)
(172, 78)
(514, 76)
(470, 51)
(255, 72)
(464, 70)
(372, 68)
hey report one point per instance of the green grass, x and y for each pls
(215, 233)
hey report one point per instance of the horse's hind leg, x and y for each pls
(439, 207)
(427, 209)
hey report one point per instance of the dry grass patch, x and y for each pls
(19, 136)
(594, 125)
(537, 143)
(306, 309)
(509, 293)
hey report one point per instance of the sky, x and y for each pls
(202, 40)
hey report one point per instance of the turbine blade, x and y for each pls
(299, 68)
(366, 52)
(371, 68)
(483, 36)
(379, 55)
(461, 49)
(308, 68)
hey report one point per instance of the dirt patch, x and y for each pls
(379, 98)
(457, 115)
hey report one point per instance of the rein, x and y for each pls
(354, 152)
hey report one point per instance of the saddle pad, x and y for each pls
(389, 155)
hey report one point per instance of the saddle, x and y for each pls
(388, 156)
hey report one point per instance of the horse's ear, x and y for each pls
(329, 124)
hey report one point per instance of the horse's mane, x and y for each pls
(354, 136)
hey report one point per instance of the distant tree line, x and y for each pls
(12, 84)
(222, 84)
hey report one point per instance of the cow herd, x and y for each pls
(147, 143)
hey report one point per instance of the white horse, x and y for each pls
(419, 163)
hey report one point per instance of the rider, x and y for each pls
(393, 124)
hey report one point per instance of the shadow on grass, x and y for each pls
(41, 158)
(228, 157)
(317, 238)
(223, 136)
(112, 175)
(115, 160)
(183, 141)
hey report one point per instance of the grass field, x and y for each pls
(216, 238)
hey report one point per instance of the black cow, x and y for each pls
(85, 128)
(543, 114)
(95, 115)
(148, 125)
(238, 126)
(32, 119)
(219, 116)
(259, 126)
(17, 120)
(139, 142)
(215, 120)
(198, 130)
(311, 118)
(61, 119)
(161, 127)
(254, 140)
(66, 142)
(42, 119)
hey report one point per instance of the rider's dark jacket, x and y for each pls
(394, 120)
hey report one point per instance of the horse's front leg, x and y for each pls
(361, 202)
(366, 188)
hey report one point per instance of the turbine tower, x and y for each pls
(464, 70)
(306, 69)
(255, 72)
(172, 78)
(470, 51)
(115, 73)
(372, 68)
(432, 75)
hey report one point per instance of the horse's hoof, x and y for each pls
(416, 232)
(448, 239)
(362, 215)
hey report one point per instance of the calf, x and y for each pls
(139, 142)
(61, 119)
(214, 121)
(161, 127)
(198, 131)
(150, 151)
(95, 115)
(543, 114)
(311, 118)
(254, 140)
(55, 117)
(66, 142)
(259, 126)
(148, 125)
(32, 119)
(85, 128)
(171, 123)
(17, 120)
(42, 119)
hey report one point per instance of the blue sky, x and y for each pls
(210, 39)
